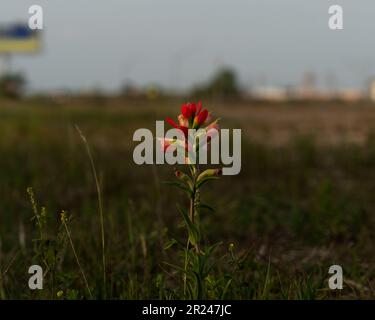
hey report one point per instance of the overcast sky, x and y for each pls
(103, 43)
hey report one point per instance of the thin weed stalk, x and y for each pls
(100, 205)
(63, 220)
(2, 290)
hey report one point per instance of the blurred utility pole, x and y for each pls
(176, 62)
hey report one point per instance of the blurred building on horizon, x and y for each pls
(308, 90)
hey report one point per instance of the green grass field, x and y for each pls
(303, 201)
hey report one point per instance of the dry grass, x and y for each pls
(303, 201)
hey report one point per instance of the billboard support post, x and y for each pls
(5, 63)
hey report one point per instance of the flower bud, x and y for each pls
(183, 177)
(200, 118)
(184, 122)
(193, 109)
(210, 173)
(186, 112)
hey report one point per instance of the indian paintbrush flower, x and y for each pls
(200, 118)
(193, 116)
(165, 144)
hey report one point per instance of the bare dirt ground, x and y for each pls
(275, 124)
(328, 124)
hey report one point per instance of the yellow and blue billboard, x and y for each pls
(19, 38)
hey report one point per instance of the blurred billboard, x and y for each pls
(18, 38)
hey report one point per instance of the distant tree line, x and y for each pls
(223, 85)
(12, 85)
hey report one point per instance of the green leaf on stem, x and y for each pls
(192, 229)
(170, 244)
(226, 289)
(212, 248)
(204, 180)
(206, 206)
(209, 173)
(174, 266)
(184, 178)
(181, 186)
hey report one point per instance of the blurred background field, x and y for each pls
(303, 95)
(302, 202)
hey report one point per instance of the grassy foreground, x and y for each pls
(303, 201)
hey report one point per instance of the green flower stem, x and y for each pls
(194, 218)
(194, 201)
